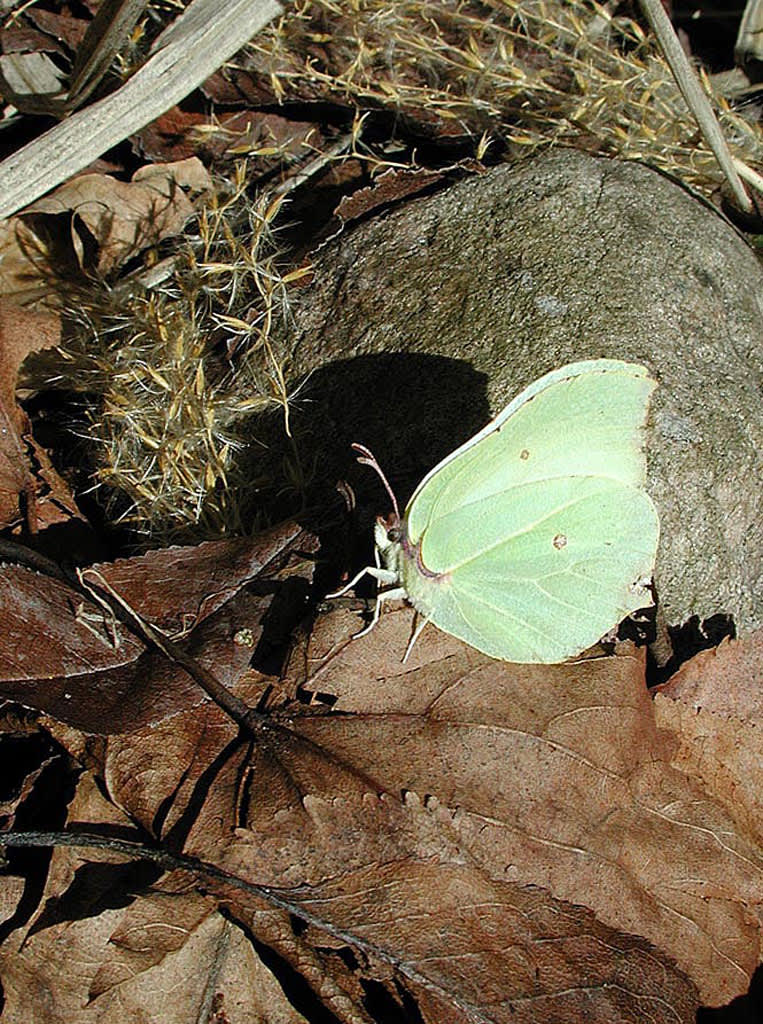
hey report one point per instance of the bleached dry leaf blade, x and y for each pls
(205, 35)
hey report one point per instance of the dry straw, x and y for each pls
(532, 72)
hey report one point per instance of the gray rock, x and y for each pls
(423, 322)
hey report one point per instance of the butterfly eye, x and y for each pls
(394, 534)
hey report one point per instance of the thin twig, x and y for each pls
(99, 590)
(183, 862)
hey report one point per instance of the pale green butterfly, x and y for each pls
(536, 536)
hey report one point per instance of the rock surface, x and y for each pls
(424, 321)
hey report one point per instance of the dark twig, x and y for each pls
(99, 589)
(183, 862)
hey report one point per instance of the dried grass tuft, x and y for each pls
(532, 72)
(175, 374)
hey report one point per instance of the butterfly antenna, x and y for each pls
(367, 458)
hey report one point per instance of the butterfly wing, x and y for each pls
(529, 541)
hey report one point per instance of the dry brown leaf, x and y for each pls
(125, 217)
(58, 651)
(11, 891)
(386, 878)
(389, 188)
(496, 842)
(557, 776)
(471, 950)
(178, 587)
(62, 899)
(59, 25)
(713, 706)
(171, 136)
(311, 807)
(95, 221)
(215, 969)
(26, 39)
(41, 498)
(110, 940)
(266, 140)
(24, 257)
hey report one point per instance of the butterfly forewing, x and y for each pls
(585, 423)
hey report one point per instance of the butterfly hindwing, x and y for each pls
(533, 536)
(550, 591)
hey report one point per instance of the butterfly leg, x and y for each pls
(382, 575)
(385, 577)
(414, 637)
(395, 594)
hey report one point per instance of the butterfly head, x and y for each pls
(388, 533)
(388, 530)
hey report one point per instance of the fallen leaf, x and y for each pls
(557, 776)
(381, 876)
(713, 706)
(170, 137)
(111, 939)
(25, 39)
(25, 260)
(122, 218)
(434, 885)
(469, 949)
(69, 29)
(11, 892)
(266, 140)
(494, 842)
(389, 188)
(95, 222)
(58, 650)
(25, 495)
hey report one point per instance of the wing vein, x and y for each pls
(512, 536)
(576, 608)
(519, 485)
(476, 599)
(551, 597)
